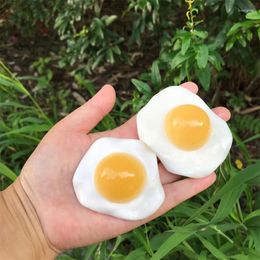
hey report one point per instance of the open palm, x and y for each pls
(47, 176)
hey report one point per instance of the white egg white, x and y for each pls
(144, 205)
(197, 163)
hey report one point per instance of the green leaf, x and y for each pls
(156, 76)
(116, 50)
(201, 34)
(203, 255)
(174, 240)
(255, 234)
(140, 236)
(229, 5)
(11, 83)
(227, 203)
(242, 40)
(204, 76)
(97, 61)
(230, 44)
(186, 40)
(65, 257)
(202, 56)
(7, 172)
(249, 35)
(119, 240)
(216, 60)
(253, 15)
(212, 249)
(212, 2)
(258, 33)
(245, 5)
(240, 178)
(89, 251)
(142, 86)
(239, 257)
(28, 129)
(253, 255)
(157, 240)
(110, 56)
(110, 19)
(235, 27)
(5, 71)
(138, 253)
(178, 59)
(253, 214)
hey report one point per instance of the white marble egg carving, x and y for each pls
(186, 135)
(119, 177)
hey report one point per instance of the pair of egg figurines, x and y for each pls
(120, 177)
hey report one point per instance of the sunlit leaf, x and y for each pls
(202, 56)
(204, 76)
(156, 76)
(142, 86)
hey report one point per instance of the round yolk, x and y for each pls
(187, 127)
(120, 177)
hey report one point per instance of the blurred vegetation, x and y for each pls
(62, 51)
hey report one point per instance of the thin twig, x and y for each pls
(249, 110)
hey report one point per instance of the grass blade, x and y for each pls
(253, 214)
(174, 240)
(240, 178)
(138, 253)
(65, 257)
(29, 129)
(139, 235)
(7, 172)
(227, 203)
(89, 251)
(8, 82)
(212, 249)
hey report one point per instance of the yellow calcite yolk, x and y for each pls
(120, 177)
(187, 127)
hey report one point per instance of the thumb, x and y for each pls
(86, 117)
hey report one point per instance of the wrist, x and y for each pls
(21, 227)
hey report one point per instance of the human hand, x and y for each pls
(47, 176)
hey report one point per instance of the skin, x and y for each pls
(47, 176)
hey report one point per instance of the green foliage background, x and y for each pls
(141, 46)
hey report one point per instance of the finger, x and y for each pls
(165, 176)
(191, 86)
(88, 115)
(222, 112)
(179, 191)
